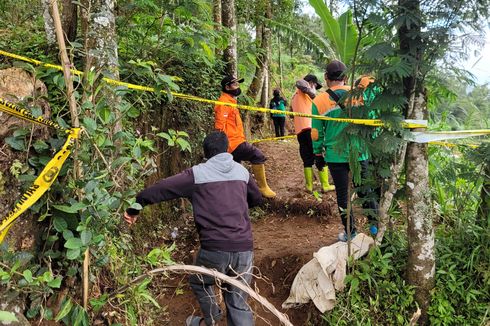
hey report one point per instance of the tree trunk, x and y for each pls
(217, 22)
(101, 48)
(256, 84)
(48, 23)
(279, 54)
(217, 14)
(70, 20)
(229, 21)
(263, 42)
(421, 256)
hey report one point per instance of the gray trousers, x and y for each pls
(238, 312)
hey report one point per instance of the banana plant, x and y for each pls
(341, 32)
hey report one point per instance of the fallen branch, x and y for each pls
(191, 269)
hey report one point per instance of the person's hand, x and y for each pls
(130, 219)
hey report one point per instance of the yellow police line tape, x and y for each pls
(57, 67)
(410, 124)
(451, 145)
(272, 139)
(438, 143)
(46, 178)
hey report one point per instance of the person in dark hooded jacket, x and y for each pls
(278, 103)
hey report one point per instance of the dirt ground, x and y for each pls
(295, 226)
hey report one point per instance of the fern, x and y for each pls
(313, 41)
(379, 51)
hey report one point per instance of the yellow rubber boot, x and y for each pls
(259, 172)
(323, 174)
(309, 179)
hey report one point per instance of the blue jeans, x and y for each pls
(229, 263)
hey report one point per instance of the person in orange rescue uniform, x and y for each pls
(227, 119)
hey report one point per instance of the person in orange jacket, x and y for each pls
(227, 119)
(301, 102)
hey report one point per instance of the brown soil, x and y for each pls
(295, 225)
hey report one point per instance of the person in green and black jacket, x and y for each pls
(326, 142)
(278, 103)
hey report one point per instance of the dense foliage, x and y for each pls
(162, 40)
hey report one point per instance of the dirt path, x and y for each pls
(294, 227)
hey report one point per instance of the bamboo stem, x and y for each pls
(66, 64)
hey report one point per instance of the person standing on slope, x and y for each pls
(302, 102)
(326, 141)
(279, 119)
(227, 119)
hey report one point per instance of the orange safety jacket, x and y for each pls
(301, 103)
(228, 120)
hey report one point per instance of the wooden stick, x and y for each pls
(191, 269)
(65, 61)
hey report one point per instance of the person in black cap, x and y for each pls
(227, 119)
(326, 143)
(301, 102)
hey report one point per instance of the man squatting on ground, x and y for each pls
(301, 102)
(221, 192)
(228, 120)
(325, 135)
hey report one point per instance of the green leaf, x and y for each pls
(67, 234)
(184, 144)
(136, 206)
(105, 114)
(86, 236)
(73, 254)
(36, 111)
(354, 283)
(99, 302)
(16, 143)
(40, 146)
(90, 124)
(28, 275)
(70, 209)
(330, 25)
(59, 224)
(7, 316)
(348, 37)
(73, 243)
(207, 50)
(56, 283)
(164, 135)
(120, 161)
(133, 112)
(65, 310)
(21, 132)
(379, 51)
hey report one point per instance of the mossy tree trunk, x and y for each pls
(228, 18)
(48, 23)
(101, 48)
(421, 257)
